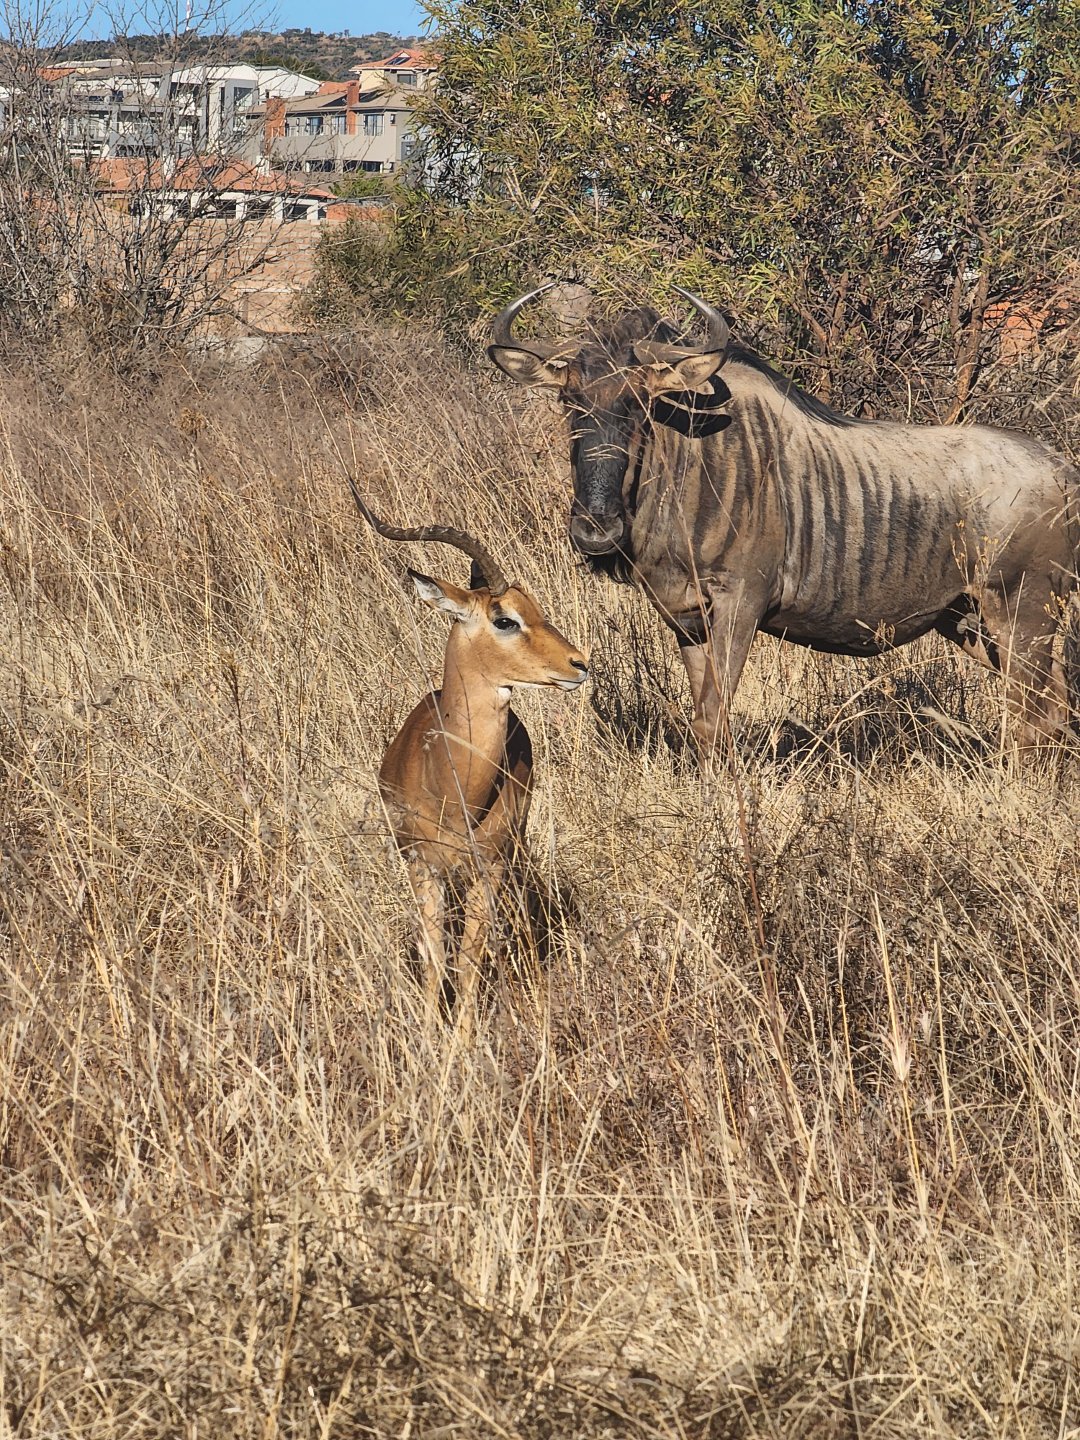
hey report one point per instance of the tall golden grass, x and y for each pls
(773, 1133)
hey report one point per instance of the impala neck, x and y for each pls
(474, 720)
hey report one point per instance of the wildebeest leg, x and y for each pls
(714, 668)
(1022, 633)
(961, 624)
(696, 660)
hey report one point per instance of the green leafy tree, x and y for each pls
(879, 189)
(311, 68)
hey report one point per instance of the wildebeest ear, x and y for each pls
(441, 595)
(698, 414)
(688, 375)
(527, 368)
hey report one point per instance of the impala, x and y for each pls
(457, 777)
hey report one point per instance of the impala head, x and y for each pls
(500, 633)
(612, 385)
(505, 637)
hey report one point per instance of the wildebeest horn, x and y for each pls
(717, 332)
(493, 577)
(502, 329)
(716, 327)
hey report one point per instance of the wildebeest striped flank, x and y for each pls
(739, 503)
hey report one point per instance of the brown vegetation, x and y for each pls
(330, 53)
(774, 1134)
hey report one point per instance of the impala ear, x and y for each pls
(527, 368)
(441, 595)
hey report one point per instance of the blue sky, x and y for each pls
(400, 17)
(359, 17)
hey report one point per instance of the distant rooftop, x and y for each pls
(203, 175)
(339, 95)
(404, 59)
(104, 70)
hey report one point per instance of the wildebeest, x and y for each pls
(738, 503)
(457, 777)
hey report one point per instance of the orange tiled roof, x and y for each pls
(201, 173)
(333, 95)
(403, 59)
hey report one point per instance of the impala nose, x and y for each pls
(597, 534)
(579, 663)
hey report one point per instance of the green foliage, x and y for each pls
(365, 186)
(420, 262)
(867, 182)
(311, 68)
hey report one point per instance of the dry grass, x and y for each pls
(780, 1140)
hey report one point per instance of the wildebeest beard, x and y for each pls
(695, 415)
(617, 565)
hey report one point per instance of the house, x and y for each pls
(116, 108)
(365, 124)
(219, 97)
(405, 69)
(109, 107)
(199, 188)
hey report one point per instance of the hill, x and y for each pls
(326, 55)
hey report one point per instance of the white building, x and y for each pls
(115, 108)
(217, 97)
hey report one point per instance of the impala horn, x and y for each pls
(493, 577)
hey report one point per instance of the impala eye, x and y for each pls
(506, 624)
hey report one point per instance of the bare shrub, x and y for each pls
(113, 258)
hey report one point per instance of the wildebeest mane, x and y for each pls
(800, 398)
(615, 333)
(643, 323)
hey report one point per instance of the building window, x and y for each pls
(373, 124)
(337, 124)
(406, 77)
(314, 125)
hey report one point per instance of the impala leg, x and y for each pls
(714, 669)
(476, 936)
(431, 939)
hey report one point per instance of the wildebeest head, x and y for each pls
(614, 383)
